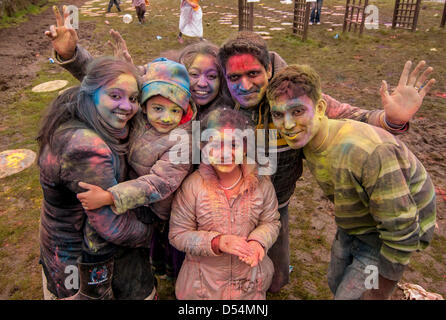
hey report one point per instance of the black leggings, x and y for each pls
(140, 12)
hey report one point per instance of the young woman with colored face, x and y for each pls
(165, 101)
(208, 87)
(84, 137)
(225, 217)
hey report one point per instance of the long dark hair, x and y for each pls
(77, 104)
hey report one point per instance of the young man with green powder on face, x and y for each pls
(384, 199)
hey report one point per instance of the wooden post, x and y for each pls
(240, 14)
(405, 16)
(346, 16)
(361, 28)
(415, 19)
(245, 15)
(306, 21)
(251, 16)
(443, 20)
(350, 17)
(301, 18)
(395, 13)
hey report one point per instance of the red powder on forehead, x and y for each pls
(242, 62)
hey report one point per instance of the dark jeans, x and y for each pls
(316, 11)
(110, 5)
(279, 253)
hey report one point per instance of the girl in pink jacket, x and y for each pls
(225, 217)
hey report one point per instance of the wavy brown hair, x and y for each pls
(295, 81)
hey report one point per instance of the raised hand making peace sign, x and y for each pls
(63, 37)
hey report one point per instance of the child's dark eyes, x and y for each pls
(133, 99)
(158, 108)
(115, 96)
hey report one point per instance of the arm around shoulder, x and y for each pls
(87, 158)
(183, 229)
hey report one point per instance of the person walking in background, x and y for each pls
(316, 12)
(110, 5)
(140, 7)
(165, 102)
(191, 23)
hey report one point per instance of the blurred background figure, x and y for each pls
(110, 5)
(191, 23)
(316, 12)
(140, 7)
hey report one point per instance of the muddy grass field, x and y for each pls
(351, 68)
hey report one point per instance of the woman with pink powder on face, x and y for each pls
(207, 83)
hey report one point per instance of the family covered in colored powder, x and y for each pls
(117, 207)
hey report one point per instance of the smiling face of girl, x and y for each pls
(224, 149)
(204, 79)
(117, 102)
(163, 114)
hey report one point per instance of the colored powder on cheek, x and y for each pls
(237, 90)
(97, 96)
(152, 116)
(235, 87)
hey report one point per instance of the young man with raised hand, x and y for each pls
(384, 200)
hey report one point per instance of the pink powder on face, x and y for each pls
(247, 79)
(204, 79)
